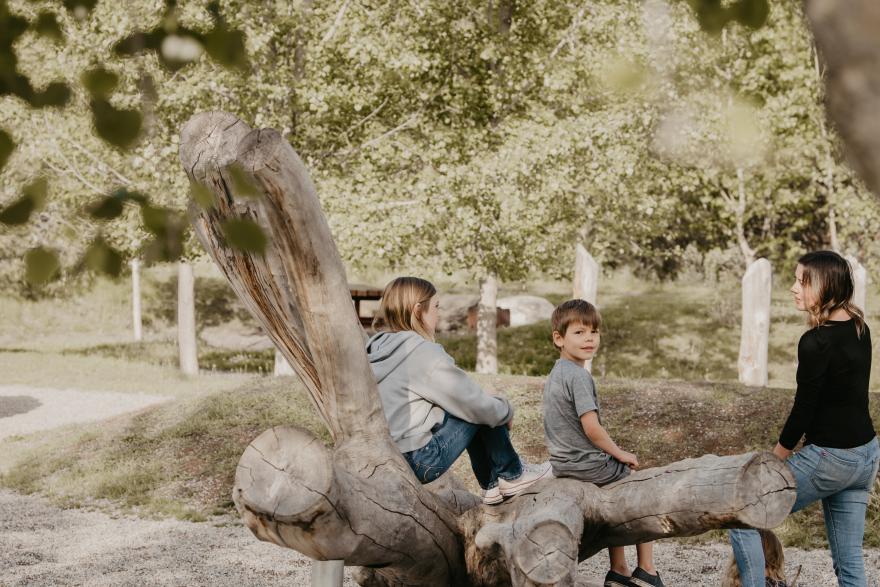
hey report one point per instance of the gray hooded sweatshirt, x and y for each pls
(419, 382)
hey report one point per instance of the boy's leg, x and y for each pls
(645, 552)
(617, 554)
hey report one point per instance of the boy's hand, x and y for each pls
(629, 459)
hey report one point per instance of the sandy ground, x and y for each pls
(41, 544)
(25, 409)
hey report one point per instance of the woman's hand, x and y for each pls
(781, 452)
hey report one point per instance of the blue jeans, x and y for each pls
(491, 453)
(842, 479)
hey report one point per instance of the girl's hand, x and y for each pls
(629, 459)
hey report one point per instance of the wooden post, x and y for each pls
(186, 319)
(136, 321)
(860, 281)
(487, 332)
(586, 275)
(586, 282)
(282, 367)
(327, 573)
(755, 337)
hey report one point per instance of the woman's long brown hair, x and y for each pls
(829, 277)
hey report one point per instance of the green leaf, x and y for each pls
(20, 211)
(203, 195)
(106, 208)
(103, 258)
(99, 82)
(226, 47)
(244, 235)
(7, 146)
(47, 26)
(118, 127)
(41, 266)
(55, 94)
(752, 13)
(243, 183)
(156, 220)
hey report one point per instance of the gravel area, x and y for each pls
(25, 409)
(41, 544)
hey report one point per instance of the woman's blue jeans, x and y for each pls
(490, 450)
(842, 479)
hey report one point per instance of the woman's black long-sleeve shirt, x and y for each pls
(831, 403)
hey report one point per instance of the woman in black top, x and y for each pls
(839, 460)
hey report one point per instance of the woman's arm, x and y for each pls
(812, 370)
(601, 440)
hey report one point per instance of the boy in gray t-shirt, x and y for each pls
(578, 444)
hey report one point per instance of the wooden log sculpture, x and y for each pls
(358, 500)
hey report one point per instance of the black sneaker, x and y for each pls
(613, 579)
(643, 578)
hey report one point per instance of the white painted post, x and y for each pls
(586, 282)
(586, 275)
(755, 338)
(136, 321)
(282, 367)
(186, 319)
(860, 281)
(487, 322)
(327, 573)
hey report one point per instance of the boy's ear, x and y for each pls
(557, 339)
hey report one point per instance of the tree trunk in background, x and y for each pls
(860, 281)
(186, 319)
(487, 326)
(327, 573)
(136, 321)
(747, 251)
(586, 282)
(282, 367)
(755, 336)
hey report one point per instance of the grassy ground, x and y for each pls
(179, 458)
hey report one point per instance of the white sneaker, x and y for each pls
(492, 496)
(530, 474)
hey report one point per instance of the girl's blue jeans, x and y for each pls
(490, 450)
(842, 479)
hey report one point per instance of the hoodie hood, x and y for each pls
(387, 350)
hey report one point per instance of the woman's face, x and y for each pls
(430, 314)
(803, 294)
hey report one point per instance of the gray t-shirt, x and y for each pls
(569, 393)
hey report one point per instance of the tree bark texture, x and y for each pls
(358, 500)
(187, 346)
(846, 35)
(487, 326)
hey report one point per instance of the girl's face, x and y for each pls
(579, 343)
(803, 294)
(430, 314)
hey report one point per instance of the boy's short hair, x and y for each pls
(575, 311)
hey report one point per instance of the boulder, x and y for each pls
(526, 309)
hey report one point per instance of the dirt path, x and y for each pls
(41, 544)
(25, 409)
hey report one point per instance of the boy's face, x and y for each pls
(579, 343)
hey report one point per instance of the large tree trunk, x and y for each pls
(358, 500)
(846, 35)
(487, 326)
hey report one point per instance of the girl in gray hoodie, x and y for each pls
(434, 410)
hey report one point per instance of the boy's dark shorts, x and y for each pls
(612, 470)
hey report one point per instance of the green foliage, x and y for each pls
(102, 258)
(42, 265)
(20, 211)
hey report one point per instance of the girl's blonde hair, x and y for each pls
(398, 311)
(774, 561)
(829, 277)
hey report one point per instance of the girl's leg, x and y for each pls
(645, 553)
(450, 440)
(493, 456)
